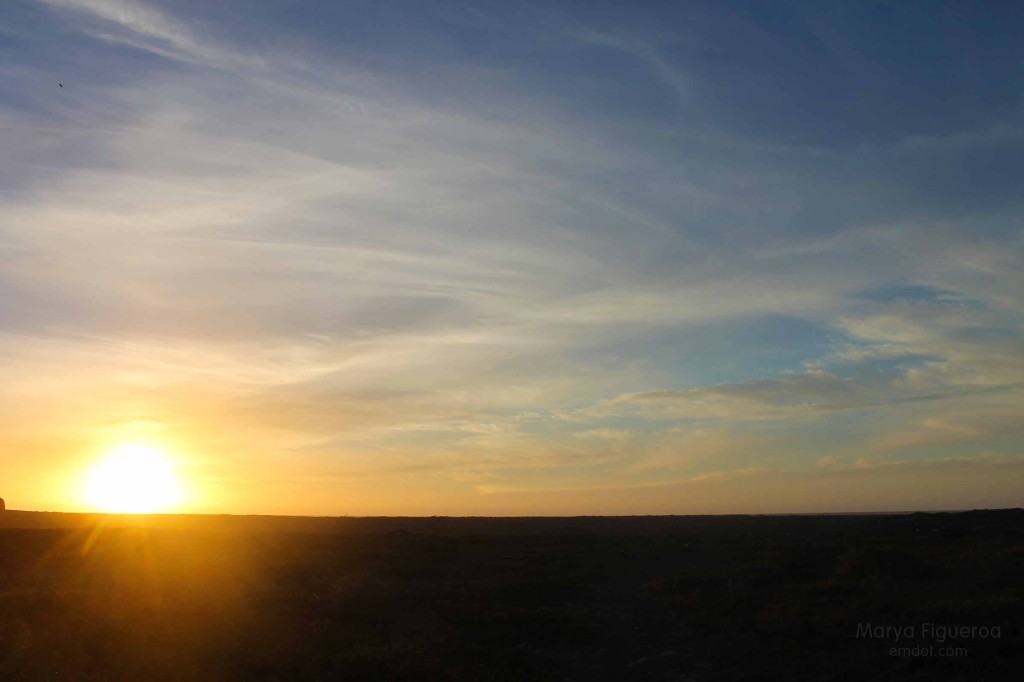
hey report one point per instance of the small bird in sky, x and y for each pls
(60, 84)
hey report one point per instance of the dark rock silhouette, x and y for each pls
(2, 507)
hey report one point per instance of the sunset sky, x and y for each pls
(403, 258)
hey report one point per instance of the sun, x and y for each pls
(133, 479)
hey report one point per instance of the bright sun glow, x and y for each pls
(135, 479)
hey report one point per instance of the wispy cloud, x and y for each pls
(513, 249)
(146, 27)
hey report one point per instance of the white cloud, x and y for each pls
(373, 273)
(146, 27)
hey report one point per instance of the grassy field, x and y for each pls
(637, 598)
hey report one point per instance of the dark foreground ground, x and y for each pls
(639, 598)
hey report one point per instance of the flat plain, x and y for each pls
(85, 597)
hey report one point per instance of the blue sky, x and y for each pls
(451, 257)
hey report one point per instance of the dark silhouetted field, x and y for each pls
(639, 598)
